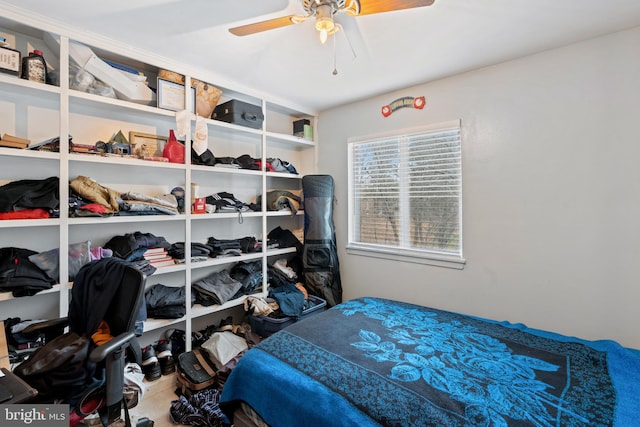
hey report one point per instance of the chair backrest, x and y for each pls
(123, 309)
(108, 289)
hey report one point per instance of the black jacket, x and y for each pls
(94, 287)
(30, 194)
(19, 275)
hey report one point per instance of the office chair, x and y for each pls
(107, 292)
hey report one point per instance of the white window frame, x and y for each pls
(398, 253)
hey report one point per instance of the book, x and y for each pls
(11, 144)
(165, 262)
(155, 251)
(84, 148)
(15, 139)
(155, 257)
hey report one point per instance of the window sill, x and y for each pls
(433, 259)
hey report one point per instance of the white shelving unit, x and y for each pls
(41, 111)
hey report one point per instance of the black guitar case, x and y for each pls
(320, 256)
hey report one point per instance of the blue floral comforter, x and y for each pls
(379, 362)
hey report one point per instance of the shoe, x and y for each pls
(144, 422)
(134, 386)
(150, 364)
(165, 357)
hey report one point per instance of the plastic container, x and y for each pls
(266, 326)
(34, 67)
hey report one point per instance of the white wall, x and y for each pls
(551, 190)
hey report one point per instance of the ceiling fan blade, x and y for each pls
(270, 24)
(369, 7)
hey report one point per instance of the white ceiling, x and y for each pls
(393, 50)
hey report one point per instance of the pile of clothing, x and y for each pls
(227, 202)
(89, 198)
(244, 278)
(215, 248)
(25, 272)
(233, 247)
(132, 247)
(244, 161)
(19, 275)
(30, 199)
(224, 346)
(283, 238)
(278, 200)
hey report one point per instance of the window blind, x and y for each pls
(405, 191)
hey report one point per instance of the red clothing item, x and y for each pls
(94, 207)
(26, 214)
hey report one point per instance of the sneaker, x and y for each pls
(150, 364)
(134, 386)
(165, 357)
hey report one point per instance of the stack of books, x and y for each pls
(13, 141)
(83, 148)
(158, 257)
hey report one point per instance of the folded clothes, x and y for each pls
(217, 288)
(166, 302)
(177, 250)
(247, 244)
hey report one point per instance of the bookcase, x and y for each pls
(42, 111)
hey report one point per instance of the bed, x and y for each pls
(372, 361)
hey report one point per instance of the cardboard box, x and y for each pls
(124, 87)
(122, 84)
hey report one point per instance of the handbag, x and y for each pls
(173, 150)
(195, 372)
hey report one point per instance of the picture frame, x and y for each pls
(170, 96)
(145, 145)
(10, 60)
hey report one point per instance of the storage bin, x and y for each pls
(265, 326)
(239, 113)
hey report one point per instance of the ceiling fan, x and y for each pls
(323, 12)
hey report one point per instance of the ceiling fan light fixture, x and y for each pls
(324, 21)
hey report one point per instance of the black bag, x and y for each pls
(58, 368)
(195, 372)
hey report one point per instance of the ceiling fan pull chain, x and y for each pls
(335, 66)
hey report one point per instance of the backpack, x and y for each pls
(58, 368)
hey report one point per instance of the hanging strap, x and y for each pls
(204, 363)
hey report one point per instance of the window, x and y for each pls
(405, 195)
